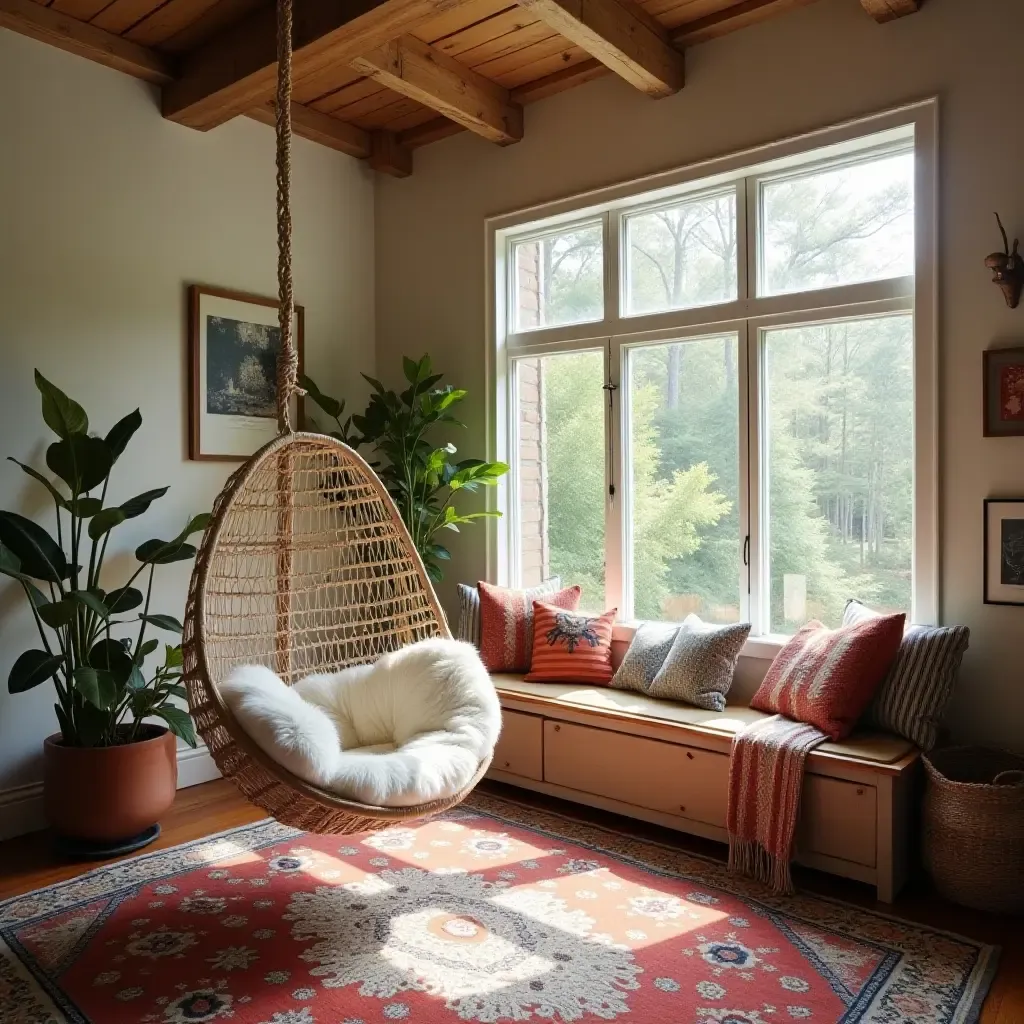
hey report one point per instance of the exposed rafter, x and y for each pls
(235, 71)
(621, 35)
(890, 10)
(411, 67)
(66, 33)
(702, 29)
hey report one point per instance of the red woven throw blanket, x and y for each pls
(766, 775)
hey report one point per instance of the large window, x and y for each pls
(714, 394)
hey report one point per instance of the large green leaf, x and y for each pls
(35, 549)
(62, 415)
(97, 686)
(172, 656)
(10, 564)
(36, 475)
(146, 650)
(159, 552)
(84, 507)
(111, 656)
(58, 614)
(124, 599)
(31, 669)
(91, 601)
(140, 503)
(331, 406)
(121, 433)
(103, 522)
(178, 722)
(168, 622)
(81, 462)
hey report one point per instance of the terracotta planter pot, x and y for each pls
(109, 794)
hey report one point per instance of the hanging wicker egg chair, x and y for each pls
(306, 566)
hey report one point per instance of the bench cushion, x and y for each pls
(873, 747)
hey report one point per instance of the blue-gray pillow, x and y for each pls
(645, 656)
(701, 663)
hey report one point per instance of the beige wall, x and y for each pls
(822, 64)
(106, 212)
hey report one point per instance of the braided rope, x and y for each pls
(288, 357)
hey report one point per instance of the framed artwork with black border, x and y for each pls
(233, 340)
(1004, 551)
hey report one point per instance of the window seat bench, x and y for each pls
(668, 763)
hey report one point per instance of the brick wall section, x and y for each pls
(533, 525)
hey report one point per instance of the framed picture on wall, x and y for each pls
(1004, 392)
(1004, 551)
(234, 339)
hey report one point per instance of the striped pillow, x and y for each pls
(506, 624)
(469, 607)
(827, 677)
(918, 687)
(569, 647)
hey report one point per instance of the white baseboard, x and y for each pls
(21, 808)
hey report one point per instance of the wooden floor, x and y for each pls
(29, 862)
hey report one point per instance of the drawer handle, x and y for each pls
(558, 728)
(682, 808)
(507, 763)
(689, 755)
(860, 792)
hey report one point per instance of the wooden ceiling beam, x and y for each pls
(698, 31)
(235, 70)
(732, 19)
(621, 35)
(890, 10)
(412, 68)
(381, 148)
(66, 33)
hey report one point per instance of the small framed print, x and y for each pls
(1004, 392)
(234, 340)
(1004, 551)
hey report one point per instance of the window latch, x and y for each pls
(746, 550)
(611, 388)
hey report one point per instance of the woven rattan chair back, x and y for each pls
(306, 566)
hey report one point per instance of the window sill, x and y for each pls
(764, 648)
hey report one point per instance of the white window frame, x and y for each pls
(748, 317)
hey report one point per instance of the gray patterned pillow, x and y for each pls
(469, 607)
(645, 655)
(916, 690)
(700, 664)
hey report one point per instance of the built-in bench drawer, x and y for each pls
(683, 781)
(520, 746)
(838, 819)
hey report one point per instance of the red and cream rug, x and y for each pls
(493, 912)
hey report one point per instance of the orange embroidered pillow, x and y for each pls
(506, 624)
(570, 647)
(827, 677)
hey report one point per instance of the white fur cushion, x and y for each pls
(410, 728)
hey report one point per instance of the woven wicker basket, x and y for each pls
(974, 827)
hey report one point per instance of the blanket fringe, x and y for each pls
(748, 857)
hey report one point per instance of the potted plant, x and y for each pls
(110, 772)
(422, 478)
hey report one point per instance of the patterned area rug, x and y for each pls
(493, 912)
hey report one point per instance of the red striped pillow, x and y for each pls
(827, 677)
(506, 624)
(569, 647)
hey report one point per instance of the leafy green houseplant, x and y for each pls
(94, 642)
(420, 474)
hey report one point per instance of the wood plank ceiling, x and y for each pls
(378, 78)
